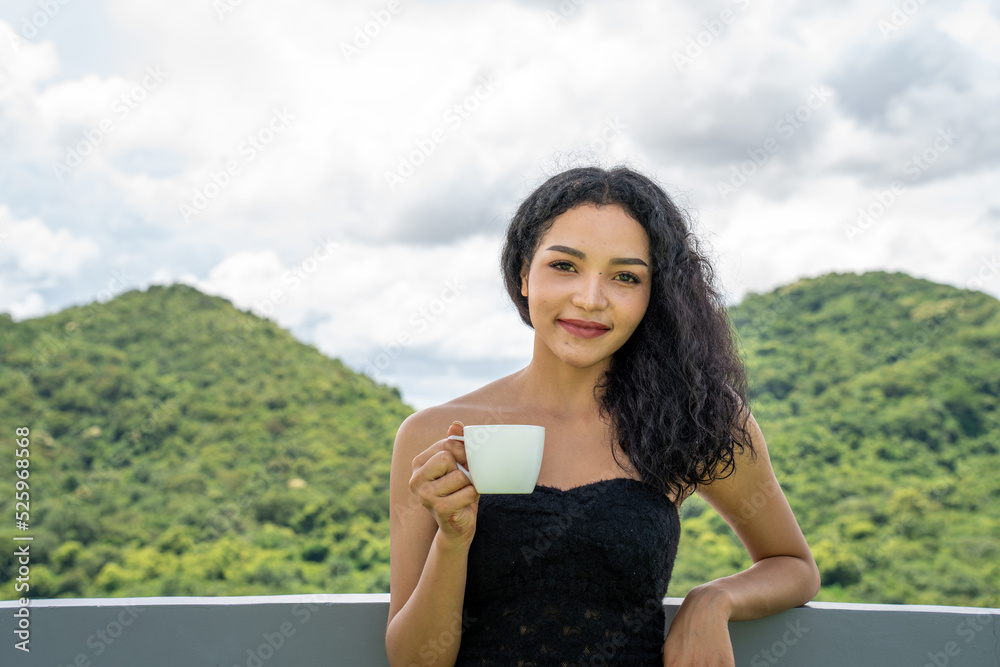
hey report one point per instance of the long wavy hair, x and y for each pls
(675, 394)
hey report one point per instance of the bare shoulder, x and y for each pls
(489, 404)
(421, 421)
(748, 463)
(758, 446)
(420, 430)
(751, 473)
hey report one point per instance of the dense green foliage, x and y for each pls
(877, 395)
(183, 447)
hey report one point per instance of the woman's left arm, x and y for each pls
(783, 574)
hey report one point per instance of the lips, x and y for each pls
(584, 328)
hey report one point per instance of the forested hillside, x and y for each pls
(181, 446)
(878, 396)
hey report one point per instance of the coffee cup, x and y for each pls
(503, 458)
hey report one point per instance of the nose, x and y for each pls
(590, 295)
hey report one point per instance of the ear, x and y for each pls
(524, 280)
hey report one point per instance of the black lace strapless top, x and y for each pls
(566, 578)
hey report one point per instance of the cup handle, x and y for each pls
(460, 466)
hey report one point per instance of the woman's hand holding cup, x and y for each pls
(444, 489)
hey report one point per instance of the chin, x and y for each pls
(584, 361)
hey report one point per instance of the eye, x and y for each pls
(561, 265)
(629, 278)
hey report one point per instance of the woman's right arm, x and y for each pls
(432, 520)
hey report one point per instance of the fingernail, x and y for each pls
(459, 423)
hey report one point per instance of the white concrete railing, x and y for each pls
(349, 631)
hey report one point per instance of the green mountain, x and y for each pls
(180, 446)
(877, 395)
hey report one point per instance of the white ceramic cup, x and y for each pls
(503, 458)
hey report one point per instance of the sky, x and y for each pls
(347, 169)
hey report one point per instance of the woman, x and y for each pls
(638, 383)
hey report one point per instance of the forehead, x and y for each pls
(605, 230)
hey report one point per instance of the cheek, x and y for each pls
(541, 290)
(540, 308)
(538, 299)
(638, 300)
(637, 308)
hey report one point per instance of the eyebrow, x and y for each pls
(614, 260)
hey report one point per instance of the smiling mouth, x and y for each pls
(583, 329)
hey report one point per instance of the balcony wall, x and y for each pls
(349, 631)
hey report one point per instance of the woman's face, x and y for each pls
(588, 284)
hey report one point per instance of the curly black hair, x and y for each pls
(675, 394)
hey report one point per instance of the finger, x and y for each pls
(448, 484)
(439, 465)
(457, 501)
(456, 447)
(457, 450)
(423, 457)
(420, 459)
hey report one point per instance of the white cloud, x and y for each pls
(29, 306)
(556, 89)
(384, 309)
(32, 252)
(34, 257)
(362, 299)
(976, 27)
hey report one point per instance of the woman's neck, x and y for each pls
(553, 388)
